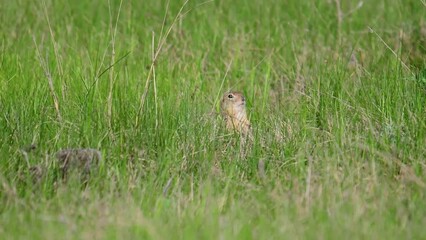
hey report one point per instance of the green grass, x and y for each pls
(343, 143)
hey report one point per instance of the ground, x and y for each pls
(335, 92)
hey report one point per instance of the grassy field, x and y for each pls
(336, 95)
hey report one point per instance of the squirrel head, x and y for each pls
(233, 104)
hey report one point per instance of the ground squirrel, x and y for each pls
(81, 159)
(233, 107)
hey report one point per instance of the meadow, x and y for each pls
(336, 94)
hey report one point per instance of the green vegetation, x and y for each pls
(336, 95)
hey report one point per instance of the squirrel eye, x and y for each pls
(230, 96)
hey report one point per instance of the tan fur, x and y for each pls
(233, 107)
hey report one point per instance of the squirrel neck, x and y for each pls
(240, 115)
(237, 119)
